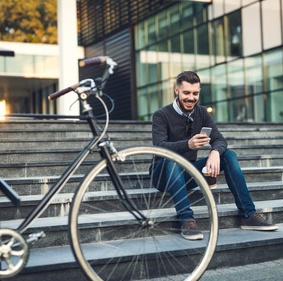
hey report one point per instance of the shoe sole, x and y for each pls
(262, 228)
(193, 237)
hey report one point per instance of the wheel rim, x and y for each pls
(157, 216)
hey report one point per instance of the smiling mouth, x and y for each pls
(189, 103)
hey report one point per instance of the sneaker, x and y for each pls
(257, 222)
(190, 231)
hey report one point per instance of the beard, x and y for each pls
(187, 105)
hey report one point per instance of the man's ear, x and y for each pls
(176, 90)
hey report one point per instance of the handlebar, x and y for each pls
(89, 61)
(60, 93)
(93, 61)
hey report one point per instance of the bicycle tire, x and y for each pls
(108, 242)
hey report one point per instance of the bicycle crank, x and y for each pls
(14, 252)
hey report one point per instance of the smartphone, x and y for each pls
(206, 130)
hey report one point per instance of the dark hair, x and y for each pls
(187, 76)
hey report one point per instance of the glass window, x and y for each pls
(274, 83)
(273, 64)
(219, 91)
(201, 13)
(141, 67)
(140, 36)
(168, 94)
(202, 40)
(205, 93)
(152, 66)
(154, 99)
(176, 63)
(187, 14)
(2, 68)
(218, 41)
(151, 31)
(175, 20)
(20, 64)
(234, 35)
(271, 24)
(274, 105)
(175, 44)
(163, 46)
(163, 59)
(254, 88)
(236, 85)
(202, 56)
(212, 44)
(162, 25)
(142, 104)
(188, 42)
(253, 71)
(251, 33)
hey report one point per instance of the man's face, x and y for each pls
(188, 95)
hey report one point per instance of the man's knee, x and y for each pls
(229, 154)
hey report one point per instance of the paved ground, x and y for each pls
(267, 271)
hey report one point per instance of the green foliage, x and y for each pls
(33, 21)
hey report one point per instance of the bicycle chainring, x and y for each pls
(14, 252)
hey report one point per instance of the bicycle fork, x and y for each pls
(123, 196)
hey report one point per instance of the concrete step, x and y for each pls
(131, 139)
(235, 247)
(65, 123)
(25, 182)
(53, 155)
(61, 204)
(21, 133)
(47, 167)
(56, 228)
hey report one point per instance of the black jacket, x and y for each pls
(169, 131)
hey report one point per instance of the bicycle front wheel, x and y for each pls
(109, 243)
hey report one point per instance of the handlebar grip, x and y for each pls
(60, 93)
(94, 60)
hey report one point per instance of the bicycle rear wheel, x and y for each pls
(109, 243)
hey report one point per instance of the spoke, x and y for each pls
(12, 241)
(18, 253)
(9, 264)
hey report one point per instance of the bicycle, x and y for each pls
(135, 236)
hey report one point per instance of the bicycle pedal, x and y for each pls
(35, 236)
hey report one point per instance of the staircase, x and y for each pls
(34, 154)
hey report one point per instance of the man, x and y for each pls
(177, 127)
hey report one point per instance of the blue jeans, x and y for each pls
(171, 181)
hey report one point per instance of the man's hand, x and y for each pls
(213, 163)
(198, 141)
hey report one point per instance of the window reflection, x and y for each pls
(236, 84)
(234, 35)
(219, 40)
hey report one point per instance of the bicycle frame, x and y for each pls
(58, 186)
(67, 174)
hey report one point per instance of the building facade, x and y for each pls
(34, 71)
(234, 46)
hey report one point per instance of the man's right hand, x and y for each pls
(198, 141)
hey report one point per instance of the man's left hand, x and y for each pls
(213, 163)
